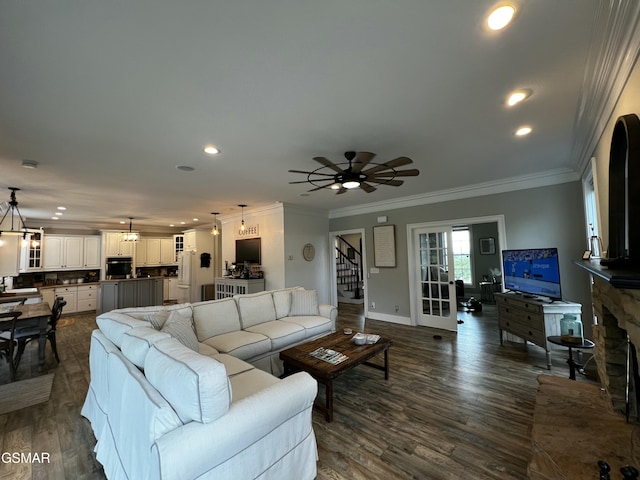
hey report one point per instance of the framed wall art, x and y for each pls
(487, 246)
(384, 246)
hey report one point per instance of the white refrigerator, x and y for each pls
(192, 275)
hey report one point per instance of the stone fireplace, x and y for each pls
(617, 312)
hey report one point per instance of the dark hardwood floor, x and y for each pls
(459, 407)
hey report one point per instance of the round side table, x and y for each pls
(573, 365)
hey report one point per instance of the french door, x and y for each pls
(436, 295)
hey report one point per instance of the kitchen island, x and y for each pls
(130, 292)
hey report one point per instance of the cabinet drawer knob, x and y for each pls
(530, 332)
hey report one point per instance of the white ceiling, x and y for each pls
(109, 97)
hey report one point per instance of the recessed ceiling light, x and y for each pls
(195, 219)
(122, 222)
(54, 218)
(29, 164)
(211, 149)
(62, 208)
(518, 96)
(58, 213)
(500, 17)
(522, 131)
(183, 223)
(171, 225)
(185, 168)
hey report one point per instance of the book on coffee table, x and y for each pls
(329, 355)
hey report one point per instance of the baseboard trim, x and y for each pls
(385, 317)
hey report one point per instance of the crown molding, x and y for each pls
(614, 49)
(542, 179)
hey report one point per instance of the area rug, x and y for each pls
(574, 426)
(25, 393)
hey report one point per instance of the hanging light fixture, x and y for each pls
(16, 228)
(214, 230)
(242, 225)
(130, 236)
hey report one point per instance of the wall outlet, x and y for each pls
(373, 305)
(397, 308)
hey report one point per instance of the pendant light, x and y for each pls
(214, 230)
(242, 225)
(20, 228)
(130, 236)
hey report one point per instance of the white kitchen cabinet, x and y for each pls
(141, 252)
(87, 297)
(170, 289)
(190, 240)
(31, 252)
(115, 247)
(70, 294)
(167, 252)
(153, 251)
(63, 252)
(178, 246)
(92, 252)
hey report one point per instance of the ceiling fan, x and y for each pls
(351, 174)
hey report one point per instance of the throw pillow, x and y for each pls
(181, 328)
(304, 302)
(157, 319)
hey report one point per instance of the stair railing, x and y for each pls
(347, 254)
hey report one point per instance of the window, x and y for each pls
(462, 255)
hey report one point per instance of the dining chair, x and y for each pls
(7, 345)
(24, 336)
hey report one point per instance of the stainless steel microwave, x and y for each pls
(119, 267)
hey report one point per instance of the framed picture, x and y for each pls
(384, 246)
(487, 246)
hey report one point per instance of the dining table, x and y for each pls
(35, 315)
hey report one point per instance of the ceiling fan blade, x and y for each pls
(341, 190)
(396, 162)
(314, 181)
(329, 164)
(312, 173)
(400, 173)
(361, 160)
(316, 189)
(367, 188)
(393, 183)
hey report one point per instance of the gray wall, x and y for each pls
(550, 216)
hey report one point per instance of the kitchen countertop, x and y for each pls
(133, 279)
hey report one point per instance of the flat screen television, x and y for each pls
(533, 271)
(248, 250)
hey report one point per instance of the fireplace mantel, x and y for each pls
(619, 278)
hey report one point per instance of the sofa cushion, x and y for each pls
(232, 365)
(304, 302)
(247, 383)
(241, 344)
(196, 386)
(140, 312)
(314, 325)
(114, 325)
(280, 332)
(215, 317)
(255, 308)
(282, 302)
(157, 319)
(181, 328)
(137, 342)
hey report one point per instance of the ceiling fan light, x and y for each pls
(335, 186)
(349, 184)
(500, 17)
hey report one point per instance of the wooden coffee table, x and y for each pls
(298, 358)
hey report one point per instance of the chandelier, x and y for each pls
(17, 227)
(130, 236)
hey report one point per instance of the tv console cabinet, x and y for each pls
(532, 319)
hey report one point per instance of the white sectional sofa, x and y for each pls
(175, 392)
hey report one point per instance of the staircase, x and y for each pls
(349, 272)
